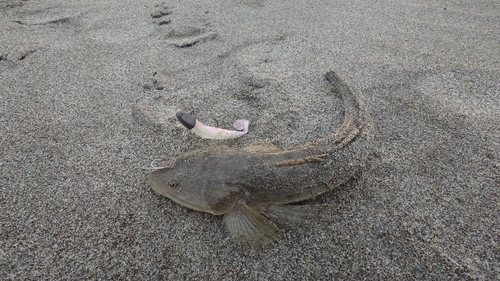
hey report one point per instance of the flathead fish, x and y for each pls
(251, 185)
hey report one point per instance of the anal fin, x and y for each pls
(248, 225)
(291, 213)
(296, 213)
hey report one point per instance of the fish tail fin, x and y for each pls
(247, 225)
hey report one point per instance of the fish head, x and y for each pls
(197, 185)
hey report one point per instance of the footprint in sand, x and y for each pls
(159, 14)
(188, 41)
(181, 33)
(18, 55)
(4, 5)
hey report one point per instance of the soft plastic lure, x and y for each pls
(190, 122)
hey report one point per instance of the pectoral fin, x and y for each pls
(246, 224)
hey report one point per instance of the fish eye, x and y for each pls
(172, 184)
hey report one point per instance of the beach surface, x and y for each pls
(89, 92)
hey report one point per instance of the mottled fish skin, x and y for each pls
(250, 184)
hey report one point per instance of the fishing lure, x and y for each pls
(207, 132)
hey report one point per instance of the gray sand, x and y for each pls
(88, 97)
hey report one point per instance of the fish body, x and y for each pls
(251, 184)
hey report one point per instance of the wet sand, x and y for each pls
(89, 94)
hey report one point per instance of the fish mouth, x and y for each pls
(187, 204)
